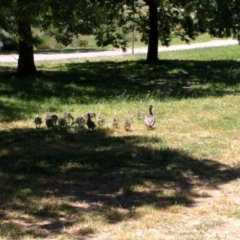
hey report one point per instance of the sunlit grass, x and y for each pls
(177, 181)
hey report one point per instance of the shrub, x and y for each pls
(8, 43)
(82, 42)
(46, 42)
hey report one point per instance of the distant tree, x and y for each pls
(111, 20)
(23, 16)
(219, 18)
(161, 20)
(156, 20)
(62, 19)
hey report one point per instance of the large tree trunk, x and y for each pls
(152, 55)
(26, 66)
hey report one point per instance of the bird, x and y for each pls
(68, 115)
(38, 121)
(91, 125)
(127, 124)
(62, 122)
(100, 120)
(92, 115)
(81, 121)
(47, 115)
(150, 119)
(49, 122)
(53, 116)
(115, 122)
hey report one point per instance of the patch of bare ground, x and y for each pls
(212, 216)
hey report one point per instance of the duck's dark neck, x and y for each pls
(150, 111)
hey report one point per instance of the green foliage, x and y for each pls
(185, 19)
(46, 42)
(63, 21)
(111, 22)
(60, 19)
(9, 43)
(174, 18)
(82, 42)
(108, 34)
(219, 18)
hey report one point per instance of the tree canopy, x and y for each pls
(158, 21)
(61, 19)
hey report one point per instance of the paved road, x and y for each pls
(61, 56)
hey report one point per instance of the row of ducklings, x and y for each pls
(53, 120)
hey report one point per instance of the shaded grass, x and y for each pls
(97, 178)
(112, 184)
(70, 169)
(91, 82)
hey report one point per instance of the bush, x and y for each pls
(8, 43)
(82, 42)
(46, 42)
(129, 37)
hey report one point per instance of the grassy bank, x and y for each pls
(177, 181)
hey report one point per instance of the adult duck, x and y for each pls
(150, 119)
(91, 125)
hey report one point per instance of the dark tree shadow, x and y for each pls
(101, 171)
(98, 81)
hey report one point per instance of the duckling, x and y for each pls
(49, 122)
(100, 120)
(48, 119)
(47, 115)
(81, 121)
(68, 115)
(53, 116)
(91, 125)
(38, 121)
(127, 124)
(55, 119)
(62, 122)
(115, 122)
(150, 119)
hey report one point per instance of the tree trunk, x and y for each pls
(152, 55)
(26, 66)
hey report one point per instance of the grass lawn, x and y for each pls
(177, 181)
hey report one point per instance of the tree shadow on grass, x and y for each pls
(59, 178)
(181, 76)
(81, 83)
